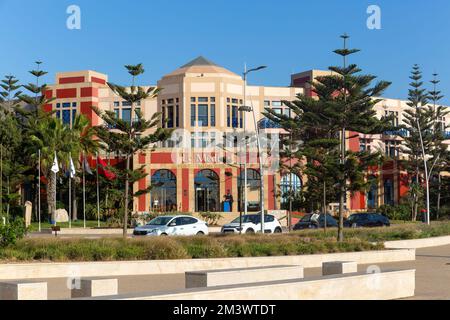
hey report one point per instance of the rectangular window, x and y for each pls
(163, 117)
(178, 116)
(66, 117)
(170, 101)
(228, 117)
(213, 115)
(235, 117)
(203, 115)
(74, 104)
(287, 112)
(277, 110)
(193, 116)
(58, 114)
(193, 99)
(117, 112)
(170, 119)
(203, 99)
(164, 102)
(192, 140)
(213, 99)
(126, 104)
(58, 105)
(276, 104)
(126, 115)
(116, 104)
(234, 100)
(66, 105)
(74, 115)
(267, 103)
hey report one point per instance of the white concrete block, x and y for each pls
(23, 290)
(380, 286)
(339, 267)
(96, 288)
(213, 278)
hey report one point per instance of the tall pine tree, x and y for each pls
(344, 103)
(129, 138)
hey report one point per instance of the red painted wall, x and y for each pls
(69, 80)
(89, 92)
(66, 93)
(142, 198)
(162, 158)
(98, 80)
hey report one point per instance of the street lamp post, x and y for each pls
(247, 109)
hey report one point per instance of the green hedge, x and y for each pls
(116, 249)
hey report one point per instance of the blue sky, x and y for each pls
(287, 35)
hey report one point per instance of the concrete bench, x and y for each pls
(23, 290)
(213, 278)
(94, 287)
(339, 267)
(360, 286)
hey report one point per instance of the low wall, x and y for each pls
(119, 268)
(418, 243)
(381, 286)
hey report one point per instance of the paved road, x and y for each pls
(432, 277)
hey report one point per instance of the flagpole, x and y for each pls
(56, 187)
(39, 189)
(84, 191)
(70, 191)
(98, 196)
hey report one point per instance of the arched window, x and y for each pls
(291, 184)
(253, 190)
(207, 188)
(164, 191)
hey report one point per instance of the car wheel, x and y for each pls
(278, 230)
(200, 233)
(164, 234)
(250, 231)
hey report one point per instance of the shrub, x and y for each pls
(401, 212)
(211, 218)
(11, 232)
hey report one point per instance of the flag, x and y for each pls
(101, 169)
(86, 167)
(72, 171)
(55, 166)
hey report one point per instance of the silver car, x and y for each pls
(173, 226)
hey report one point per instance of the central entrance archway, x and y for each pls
(207, 186)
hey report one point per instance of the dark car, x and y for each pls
(367, 220)
(311, 221)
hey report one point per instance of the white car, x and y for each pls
(251, 223)
(173, 226)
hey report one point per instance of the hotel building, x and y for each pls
(203, 162)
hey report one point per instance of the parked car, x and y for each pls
(173, 226)
(251, 223)
(367, 220)
(315, 221)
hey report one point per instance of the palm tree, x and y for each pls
(51, 137)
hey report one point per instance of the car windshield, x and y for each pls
(248, 219)
(160, 221)
(306, 218)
